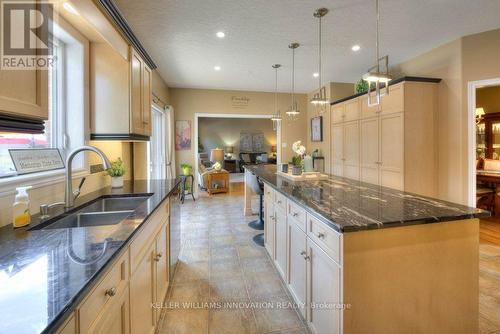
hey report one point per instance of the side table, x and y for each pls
(230, 165)
(183, 187)
(218, 182)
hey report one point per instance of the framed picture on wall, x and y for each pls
(182, 135)
(317, 128)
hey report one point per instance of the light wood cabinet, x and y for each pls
(281, 241)
(69, 326)
(162, 266)
(142, 293)
(369, 150)
(389, 137)
(121, 94)
(115, 318)
(323, 294)
(297, 266)
(24, 93)
(345, 149)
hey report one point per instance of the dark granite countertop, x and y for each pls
(348, 205)
(42, 277)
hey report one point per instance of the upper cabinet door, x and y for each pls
(369, 150)
(351, 110)
(24, 93)
(338, 113)
(136, 84)
(369, 111)
(146, 99)
(393, 102)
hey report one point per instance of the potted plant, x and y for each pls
(116, 172)
(186, 169)
(299, 151)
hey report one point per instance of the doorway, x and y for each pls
(229, 138)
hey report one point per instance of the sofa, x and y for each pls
(253, 158)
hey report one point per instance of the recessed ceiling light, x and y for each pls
(70, 8)
(221, 34)
(316, 75)
(217, 68)
(356, 48)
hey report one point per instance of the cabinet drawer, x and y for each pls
(297, 213)
(113, 284)
(327, 238)
(143, 239)
(280, 200)
(268, 192)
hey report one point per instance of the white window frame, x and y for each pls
(64, 32)
(163, 142)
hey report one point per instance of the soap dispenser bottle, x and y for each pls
(21, 208)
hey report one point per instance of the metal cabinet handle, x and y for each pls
(158, 257)
(295, 214)
(321, 235)
(279, 202)
(110, 292)
(303, 253)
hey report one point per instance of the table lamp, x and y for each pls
(217, 155)
(229, 150)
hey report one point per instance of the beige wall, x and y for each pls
(187, 102)
(470, 58)
(221, 132)
(160, 88)
(488, 98)
(334, 91)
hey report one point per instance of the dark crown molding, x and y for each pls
(115, 14)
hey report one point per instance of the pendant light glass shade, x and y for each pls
(378, 75)
(293, 111)
(276, 118)
(320, 100)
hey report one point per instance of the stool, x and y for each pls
(485, 199)
(182, 185)
(258, 224)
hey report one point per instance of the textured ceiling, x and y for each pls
(180, 37)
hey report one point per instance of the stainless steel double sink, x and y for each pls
(104, 211)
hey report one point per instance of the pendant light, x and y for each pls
(276, 118)
(375, 75)
(293, 112)
(320, 100)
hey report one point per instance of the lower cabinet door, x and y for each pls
(323, 276)
(281, 242)
(142, 314)
(161, 259)
(114, 319)
(269, 226)
(297, 265)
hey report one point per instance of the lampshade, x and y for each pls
(273, 148)
(479, 112)
(217, 155)
(229, 149)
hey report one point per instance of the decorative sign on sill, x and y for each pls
(239, 102)
(36, 160)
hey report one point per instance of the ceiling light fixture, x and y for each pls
(293, 111)
(69, 8)
(320, 99)
(316, 74)
(356, 48)
(276, 118)
(220, 34)
(217, 68)
(375, 75)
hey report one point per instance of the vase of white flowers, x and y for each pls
(299, 151)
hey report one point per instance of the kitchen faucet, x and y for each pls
(69, 195)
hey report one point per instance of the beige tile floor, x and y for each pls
(219, 263)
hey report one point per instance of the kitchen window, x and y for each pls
(65, 128)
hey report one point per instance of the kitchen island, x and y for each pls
(93, 279)
(359, 258)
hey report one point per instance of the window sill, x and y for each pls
(37, 180)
